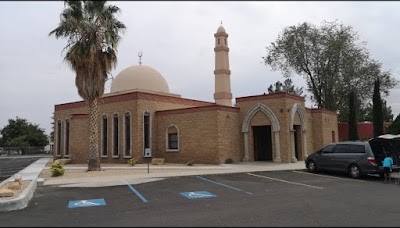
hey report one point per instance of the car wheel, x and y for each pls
(311, 166)
(355, 171)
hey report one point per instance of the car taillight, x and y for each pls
(371, 159)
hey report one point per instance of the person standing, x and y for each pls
(387, 168)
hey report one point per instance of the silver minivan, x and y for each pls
(355, 158)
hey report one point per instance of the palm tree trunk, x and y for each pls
(94, 159)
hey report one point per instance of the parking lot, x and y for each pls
(12, 165)
(275, 198)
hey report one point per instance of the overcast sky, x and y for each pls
(177, 39)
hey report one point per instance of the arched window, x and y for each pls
(66, 141)
(58, 153)
(218, 41)
(172, 138)
(225, 41)
(115, 135)
(146, 130)
(104, 136)
(127, 134)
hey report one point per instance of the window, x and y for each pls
(59, 138)
(127, 134)
(218, 41)
(115, 136)
(327, 149)
(359, 149)
(104, 137)
(172, 137)
(66, 143)
(146, 129)
(173, 141)
(341, 149)
(225, 41)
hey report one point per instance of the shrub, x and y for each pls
(228, 161)
(132, 161)
(57, 169)
(190, 163)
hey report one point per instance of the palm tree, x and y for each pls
(93, 34)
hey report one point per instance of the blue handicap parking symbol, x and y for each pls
(198, 194)
(86, 203)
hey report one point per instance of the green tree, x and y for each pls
(352, 130)
(51, 136)
(93, 34)
(394, 128)
(287, 87)
(330, 60)
(377, 110)
(387, 112)
(21, 133)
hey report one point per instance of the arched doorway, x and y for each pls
(297, 126)
(262, 132)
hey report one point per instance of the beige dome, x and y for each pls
(139, 77)
(220, 29)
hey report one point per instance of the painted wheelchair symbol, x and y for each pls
(198, 195)
(86, 203)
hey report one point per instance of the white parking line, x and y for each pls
(340, 178)
(289, 182)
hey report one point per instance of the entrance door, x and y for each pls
(262, 143)
(297, 141)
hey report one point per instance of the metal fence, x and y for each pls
(13, 151)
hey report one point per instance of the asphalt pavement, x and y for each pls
(272, 198)
(12, 165)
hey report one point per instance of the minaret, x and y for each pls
(222, 95)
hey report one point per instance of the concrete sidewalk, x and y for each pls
(101, 181)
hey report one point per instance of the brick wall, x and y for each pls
(207, 135)
(325, 127)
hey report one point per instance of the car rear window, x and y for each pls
(357, 149)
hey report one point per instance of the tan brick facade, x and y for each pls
(207, 133)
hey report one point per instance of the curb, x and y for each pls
(26, 195)
(22, 200)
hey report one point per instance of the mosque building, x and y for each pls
(141, 118)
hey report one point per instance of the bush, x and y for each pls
(132, 161)
(190, 163)
(57, 169)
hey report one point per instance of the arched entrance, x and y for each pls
(261, 131)
(298, 134)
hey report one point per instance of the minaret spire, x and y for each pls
(222, 95)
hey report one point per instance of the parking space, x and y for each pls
(369, 178)
(12, 165)
(278, 198)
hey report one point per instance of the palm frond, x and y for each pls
(93, 33)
